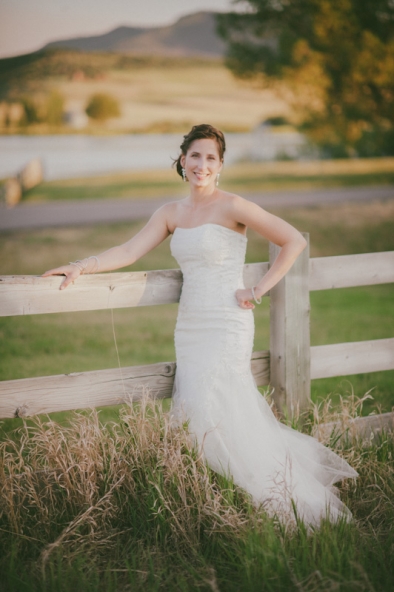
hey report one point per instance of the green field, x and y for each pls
(240, 178)
(60, 343)
(118, 501)
(154, 94)
(100, 507)
(131, 507)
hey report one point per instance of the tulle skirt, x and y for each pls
(289, 473)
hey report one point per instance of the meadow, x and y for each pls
(246, 177)
(60, 343)
(130, 506)
(154, 94)
(119, 501)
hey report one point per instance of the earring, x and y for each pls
(184, 174)
(217, 179)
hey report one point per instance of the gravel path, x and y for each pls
(101, 211)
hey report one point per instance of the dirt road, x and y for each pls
(102, 211)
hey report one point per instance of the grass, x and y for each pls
(154, 95)
(241, 178)
(41, 345)
(119, 501)
(131, 507)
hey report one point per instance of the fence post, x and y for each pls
(290, 335)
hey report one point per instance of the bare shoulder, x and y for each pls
(237, 205)
(167, 211)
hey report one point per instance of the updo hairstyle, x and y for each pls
(204, 131)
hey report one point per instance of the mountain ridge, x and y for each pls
(193, 35)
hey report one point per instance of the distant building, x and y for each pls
(76, 119)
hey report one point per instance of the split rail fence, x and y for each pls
(288, 367)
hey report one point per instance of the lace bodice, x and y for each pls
(211, 258)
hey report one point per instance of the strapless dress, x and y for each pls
(287, 472)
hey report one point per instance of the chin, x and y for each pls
(202, 182)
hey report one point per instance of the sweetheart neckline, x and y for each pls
(211, 224)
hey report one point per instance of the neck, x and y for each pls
(200, 195)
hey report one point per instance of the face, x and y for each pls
(202, 162)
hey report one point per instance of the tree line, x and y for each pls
(334, 59)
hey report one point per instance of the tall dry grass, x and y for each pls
(132, 506)
(83, 487)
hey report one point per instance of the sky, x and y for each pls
(27, 25)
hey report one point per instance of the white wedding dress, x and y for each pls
(215, 390)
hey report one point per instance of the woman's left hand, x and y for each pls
(244, 298)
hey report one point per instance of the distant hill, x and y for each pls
(193, 35)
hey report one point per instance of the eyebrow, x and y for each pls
(197, 152)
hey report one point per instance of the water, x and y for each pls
(81, 155)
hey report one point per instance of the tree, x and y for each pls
(102, 106)
(335, 56)
(30, 111)
(55, 107)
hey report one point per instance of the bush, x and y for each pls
(55, 106)
(30, 111)
(102, 106)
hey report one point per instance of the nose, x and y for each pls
(202, 164)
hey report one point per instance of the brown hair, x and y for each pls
(200, 132)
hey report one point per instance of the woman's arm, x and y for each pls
(151, 235)
(277, 231)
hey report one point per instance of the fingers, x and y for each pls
(246, 304)
(66, 282)
(71, 275)
(51, 272)
(243, 301)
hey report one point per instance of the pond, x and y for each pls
(68, 156)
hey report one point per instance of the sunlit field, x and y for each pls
(240, 178)
(132, 506)
(122, 502)
(154, 94)
(41, 345)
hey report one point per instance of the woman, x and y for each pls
(290, 473)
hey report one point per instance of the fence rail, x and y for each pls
(289, 366)
(20, 295)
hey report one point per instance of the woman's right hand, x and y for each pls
(70, 271)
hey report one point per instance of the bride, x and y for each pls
(289, 473)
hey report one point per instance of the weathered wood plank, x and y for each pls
(365, 428)
(342, 359)
(345, 271)
(20, 295)
(290, 335)
(46, 394)
(260, 364)
(30, 396)
(253, 272)
(35, 295)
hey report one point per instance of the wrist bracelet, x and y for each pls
(96, 263)
(257, 300)
(77, 264)
(82, 266)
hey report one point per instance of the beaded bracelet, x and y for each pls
(97, 263)
(78, 263)
(82, 266)
(257, 300)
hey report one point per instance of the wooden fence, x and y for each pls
(289, 366)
